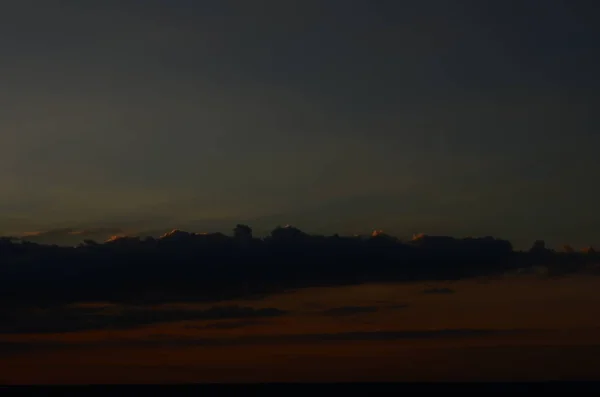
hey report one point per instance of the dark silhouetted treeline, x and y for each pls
(189, 266)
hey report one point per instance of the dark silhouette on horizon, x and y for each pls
(213, 267)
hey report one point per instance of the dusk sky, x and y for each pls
(443, 117)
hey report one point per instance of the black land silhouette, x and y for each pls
(182, 266)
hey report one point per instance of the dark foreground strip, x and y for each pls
(278, 388)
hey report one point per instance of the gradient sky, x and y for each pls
(456, 117)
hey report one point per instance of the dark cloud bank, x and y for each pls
(439, 291)
(350, 310)
(73, 318)
(246, 340)
(70, 319)
(181, 266)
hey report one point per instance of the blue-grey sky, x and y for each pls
(456, 117)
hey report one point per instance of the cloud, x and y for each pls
(70, 236)
(441, 291)
(136, 317)
(8, 348)
(395, 335)
(314, 305)
(356, 310)
(230, 324)
(79, 318)
(214, 267)
(276, 339)
(350, 310)
(398, 306)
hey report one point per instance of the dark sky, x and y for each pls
(457, 117)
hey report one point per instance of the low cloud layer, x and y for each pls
(72, 319)
(210, 267)
(71, 236)
(274, 339)
(440, 291)
(350, 310)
